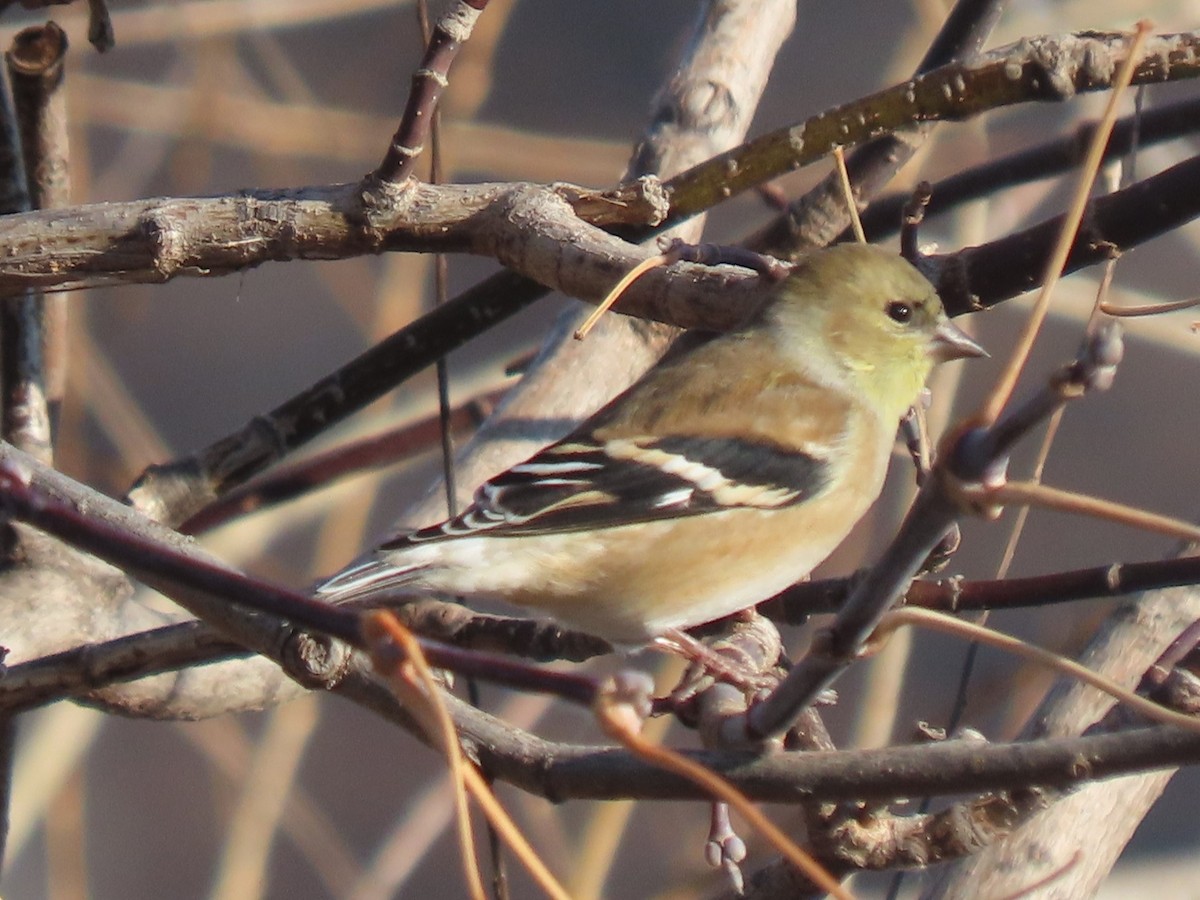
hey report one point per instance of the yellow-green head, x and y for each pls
(860, 314)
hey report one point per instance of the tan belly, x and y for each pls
(638, 582)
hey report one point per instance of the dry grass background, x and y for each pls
(317, 798)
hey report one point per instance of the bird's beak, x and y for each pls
(951, 342)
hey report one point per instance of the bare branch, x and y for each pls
(816, 218)
(1153, 126)
(428, 82)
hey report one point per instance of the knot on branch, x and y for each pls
(643, 202)
(382, 203)
(164, 488)
(1047, 65)
(315, 661)
(1098, 360)
(168, 245)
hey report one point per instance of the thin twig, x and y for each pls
(1002, 391)
(1040, 161)
(1059, 663)
(383, 626)
(911, 216)
(429, 81)
(390, 447)
(615, 717)
(1148, 309)
(798, 603)
(220, 594)
(441, 274)
(33, 326)
(1034, 494)
(619, 288)
(839, 158)
(816, 218)
(410, 675)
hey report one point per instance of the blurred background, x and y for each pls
(210, 96)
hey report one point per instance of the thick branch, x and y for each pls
(1147, 128)
(560, 771)
(816, 218)
(153, 241)
(1046, 69)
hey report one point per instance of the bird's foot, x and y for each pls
(709, 665)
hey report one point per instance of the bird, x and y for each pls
(722, 476)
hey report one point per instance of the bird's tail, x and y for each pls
(374, 577)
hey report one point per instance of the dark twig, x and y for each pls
(389, 448)
(428, 83)
(977, 456)
(439, 49)
(913, 214)
(81, 669)
(178, 490)
(100, 27)
(174, 647)
(32, 330)
(951, 767)
(1064, 154)
(36, 66)
(14, 186)
(33, 368)
(8, 747)
(798, 603)
(1179, 655)
(726, 254)
(975, 278)
(15, 314)
(222, 595)
(26, 417)
(817, 217)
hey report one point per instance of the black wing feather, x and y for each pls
(577, 485)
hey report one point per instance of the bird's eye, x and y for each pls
(899, 311)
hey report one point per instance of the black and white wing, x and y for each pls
(581, 484)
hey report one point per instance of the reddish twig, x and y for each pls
(798, 603)
(428, 83)
(220, 594)
(289, 482)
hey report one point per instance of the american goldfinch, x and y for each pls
(717, 480)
